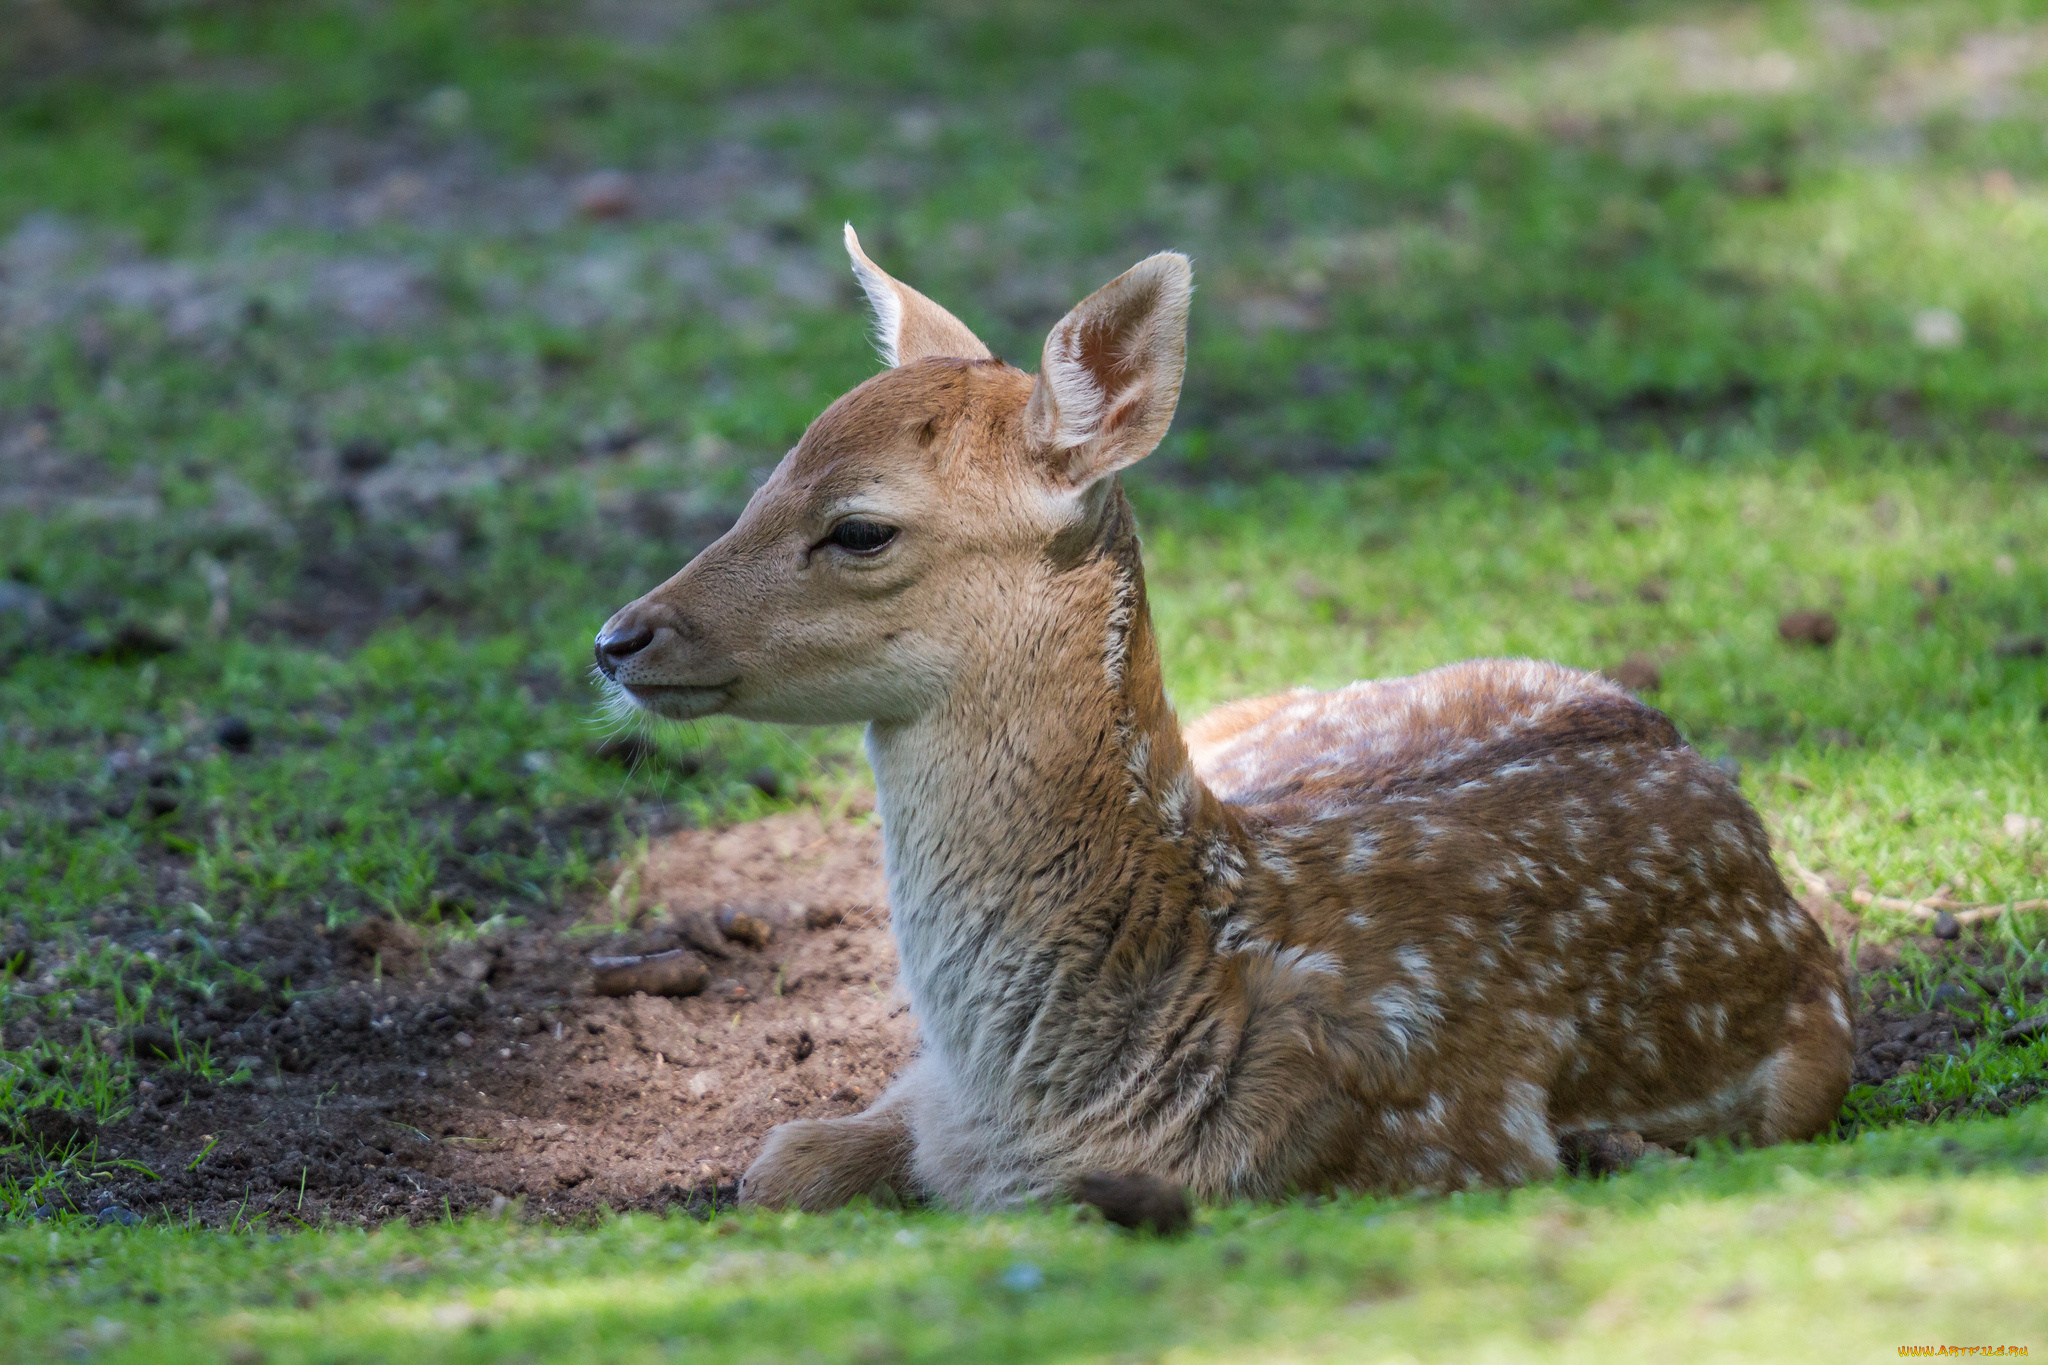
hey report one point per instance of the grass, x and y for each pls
(1835, 1252)
(1570, 329)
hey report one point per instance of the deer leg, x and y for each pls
(1606, 1151)
(819, 1164)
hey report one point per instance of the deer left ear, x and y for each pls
(909, 326)
(1111, 372)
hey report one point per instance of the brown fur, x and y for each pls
(1401, 934)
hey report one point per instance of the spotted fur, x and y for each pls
(1401, 934)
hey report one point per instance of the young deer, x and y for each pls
(1401, 934)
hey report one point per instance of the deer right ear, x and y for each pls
(909, 326)
(1110, 377)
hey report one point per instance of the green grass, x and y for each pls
(1572, 329)
(1837, 1252)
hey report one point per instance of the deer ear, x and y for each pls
(1111, 374)
(909, 326)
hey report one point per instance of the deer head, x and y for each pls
(922, 515)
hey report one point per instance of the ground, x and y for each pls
(357, 360)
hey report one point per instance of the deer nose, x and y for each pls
(621, 640)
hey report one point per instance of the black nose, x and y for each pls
(621, 641)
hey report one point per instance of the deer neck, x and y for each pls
(1021, 815)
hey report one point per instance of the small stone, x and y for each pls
(741, 927)
(766, 781)
(1636, 673)
(823, 916)
(463, 1039)
(673, 973)
(605, 195)
(235, 735)
(1808, 627)
(1946, 927)
(1139, 1202)
(1948, 992)
(116, 1216)
(468, 962)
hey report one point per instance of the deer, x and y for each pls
(1409, 934)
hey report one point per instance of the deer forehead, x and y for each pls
(950, 428)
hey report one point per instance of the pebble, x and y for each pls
(1945, 927)
(115, 1216)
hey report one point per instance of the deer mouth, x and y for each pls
(678, 701)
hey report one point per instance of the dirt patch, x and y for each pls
(404, 1079)
(1904, 1029)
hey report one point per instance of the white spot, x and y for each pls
(1365, 846)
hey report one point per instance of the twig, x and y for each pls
(1964, 912)
(1816, 885)
(1925, 907)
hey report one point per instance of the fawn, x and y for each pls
(1401, 934)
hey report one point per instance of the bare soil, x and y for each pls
(399, 1082)
(403, 1083)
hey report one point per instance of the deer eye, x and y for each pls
(861, 537)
